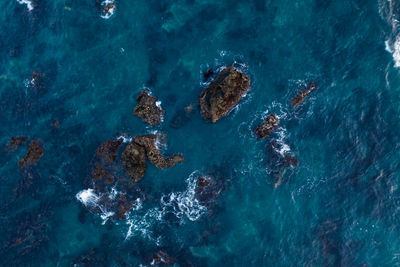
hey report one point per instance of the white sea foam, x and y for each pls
(283, 148)
(394, 49)
(88, 197)
(185, 203)
(28, 4)
(110, 12)
(181, 204)
(125, 139)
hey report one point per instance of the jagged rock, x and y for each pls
(299, 98)
(33, 155)
(266, 129)
(15, 142)
(223, 94)
(154, 155)
(148, 109)
(107, 151)
(134, 158)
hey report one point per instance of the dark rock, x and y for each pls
(134, 158)
(154, 155)
(266, 129)
(207, 189)
(147, 109)
(33, 155)
(15, 142)
(208, 74)
(100, 172)
(107, 151)
(299, 98)
(223, 94)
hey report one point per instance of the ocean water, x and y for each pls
(338, 207)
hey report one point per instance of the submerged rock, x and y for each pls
(208, 189)
(182, 117)
(148, 109)
(154, 155)
(134, 158)
(279, 161)
(107, 151)
(223, 94)
(266, 129)
(33, 155)
(162, 258)
(299, 98)
(15, 142)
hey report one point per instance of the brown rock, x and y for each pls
(107, 151)
(33, 155)
(15, 142)
(147, 109)
(266, 129)
(100, 172)
(223, 94)
(154, 155)
(299, 98)
(134, 158)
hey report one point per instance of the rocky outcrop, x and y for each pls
(299, 98)
(33, 155)
(266, 129)
(223, 94)
(148, 109)
(107, 151)
(15, 142)
(154, 155)
(134, 158)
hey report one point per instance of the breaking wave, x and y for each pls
(28, 4)
(182, 204)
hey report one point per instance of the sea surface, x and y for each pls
(69, 77)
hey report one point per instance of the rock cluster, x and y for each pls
(33, 155)
(223, 94)
(134, 156)
(299, 98)
(148, 109)
(267, 127)
(15, 142)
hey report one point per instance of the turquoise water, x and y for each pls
(338, 207)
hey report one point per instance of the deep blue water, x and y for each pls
(338, 207)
